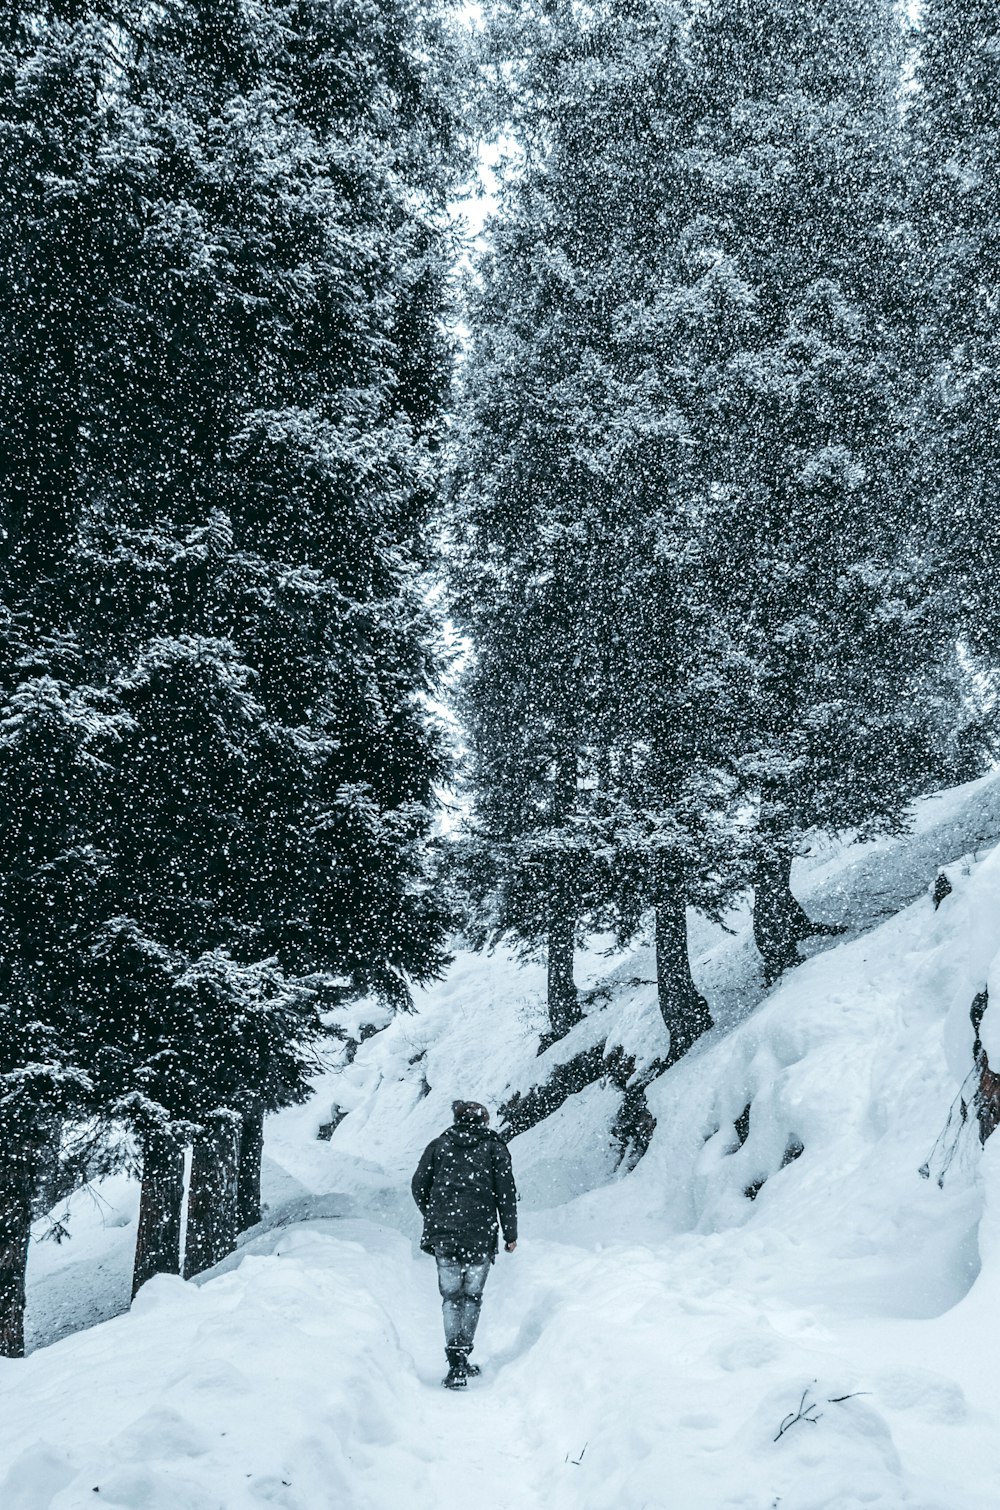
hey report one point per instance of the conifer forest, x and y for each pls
(493, 500)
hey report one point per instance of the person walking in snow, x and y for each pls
(463, 1183)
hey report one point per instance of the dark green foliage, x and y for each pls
(851, 690)
(602, 689)
(692, 564)
(953, 126)
(223, 255)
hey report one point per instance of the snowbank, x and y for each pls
(773, 1310)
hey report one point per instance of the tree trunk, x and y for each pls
(158, 1241)
(248, 1176)
(683, 1009)
(17, 1179)
(212, 1196)
(563, 1003)
(779, 922)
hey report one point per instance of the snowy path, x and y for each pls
(652, 1332)
(624, 1378)
(88, 1279)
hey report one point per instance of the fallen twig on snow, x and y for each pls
(802, 1414)
(805, 1412)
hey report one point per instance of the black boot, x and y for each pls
(458, 1357)
(458, 1369)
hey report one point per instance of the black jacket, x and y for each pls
(463, 1182)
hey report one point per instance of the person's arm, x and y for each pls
(423, 1177)
(505, 1191)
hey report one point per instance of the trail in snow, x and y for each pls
(88, 1279)
(621, 1377)
(651, 1334)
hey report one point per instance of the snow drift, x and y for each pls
(772, 1309)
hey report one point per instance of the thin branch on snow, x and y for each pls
(804, 1413)
(811, 1412)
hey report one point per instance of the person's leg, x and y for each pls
(450, 1275)
(474, 1277)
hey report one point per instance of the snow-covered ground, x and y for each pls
(655, 1330)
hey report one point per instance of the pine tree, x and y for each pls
(279, 792)
(598, 693)
(830, 608)
(524, 557)
(528, 496)
(60, 727)
(243, 347)
(954, 163)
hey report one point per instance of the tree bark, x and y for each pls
(986, 1097)
(683, 1008)
(779, 922)
(248, 1174)
(563, 1002)
(17, 1181)
(212, 1196)
(158, 1241)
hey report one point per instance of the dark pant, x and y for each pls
(461, 1282)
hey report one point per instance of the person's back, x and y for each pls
(463, 1184)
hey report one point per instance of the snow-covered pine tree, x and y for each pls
(591, 694)
(252, 434)
(278, 791)
(670, 672)
(55, 738)
(846, 715)
(953, 121)
(59, 726)
(523, 560)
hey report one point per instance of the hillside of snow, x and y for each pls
(773, 1310)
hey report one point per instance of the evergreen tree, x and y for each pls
(834, 616)
(59, 726)
(598, 692)
(954, 162)
(243, 348)
(295, 380)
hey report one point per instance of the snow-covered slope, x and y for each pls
(655, 1329)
